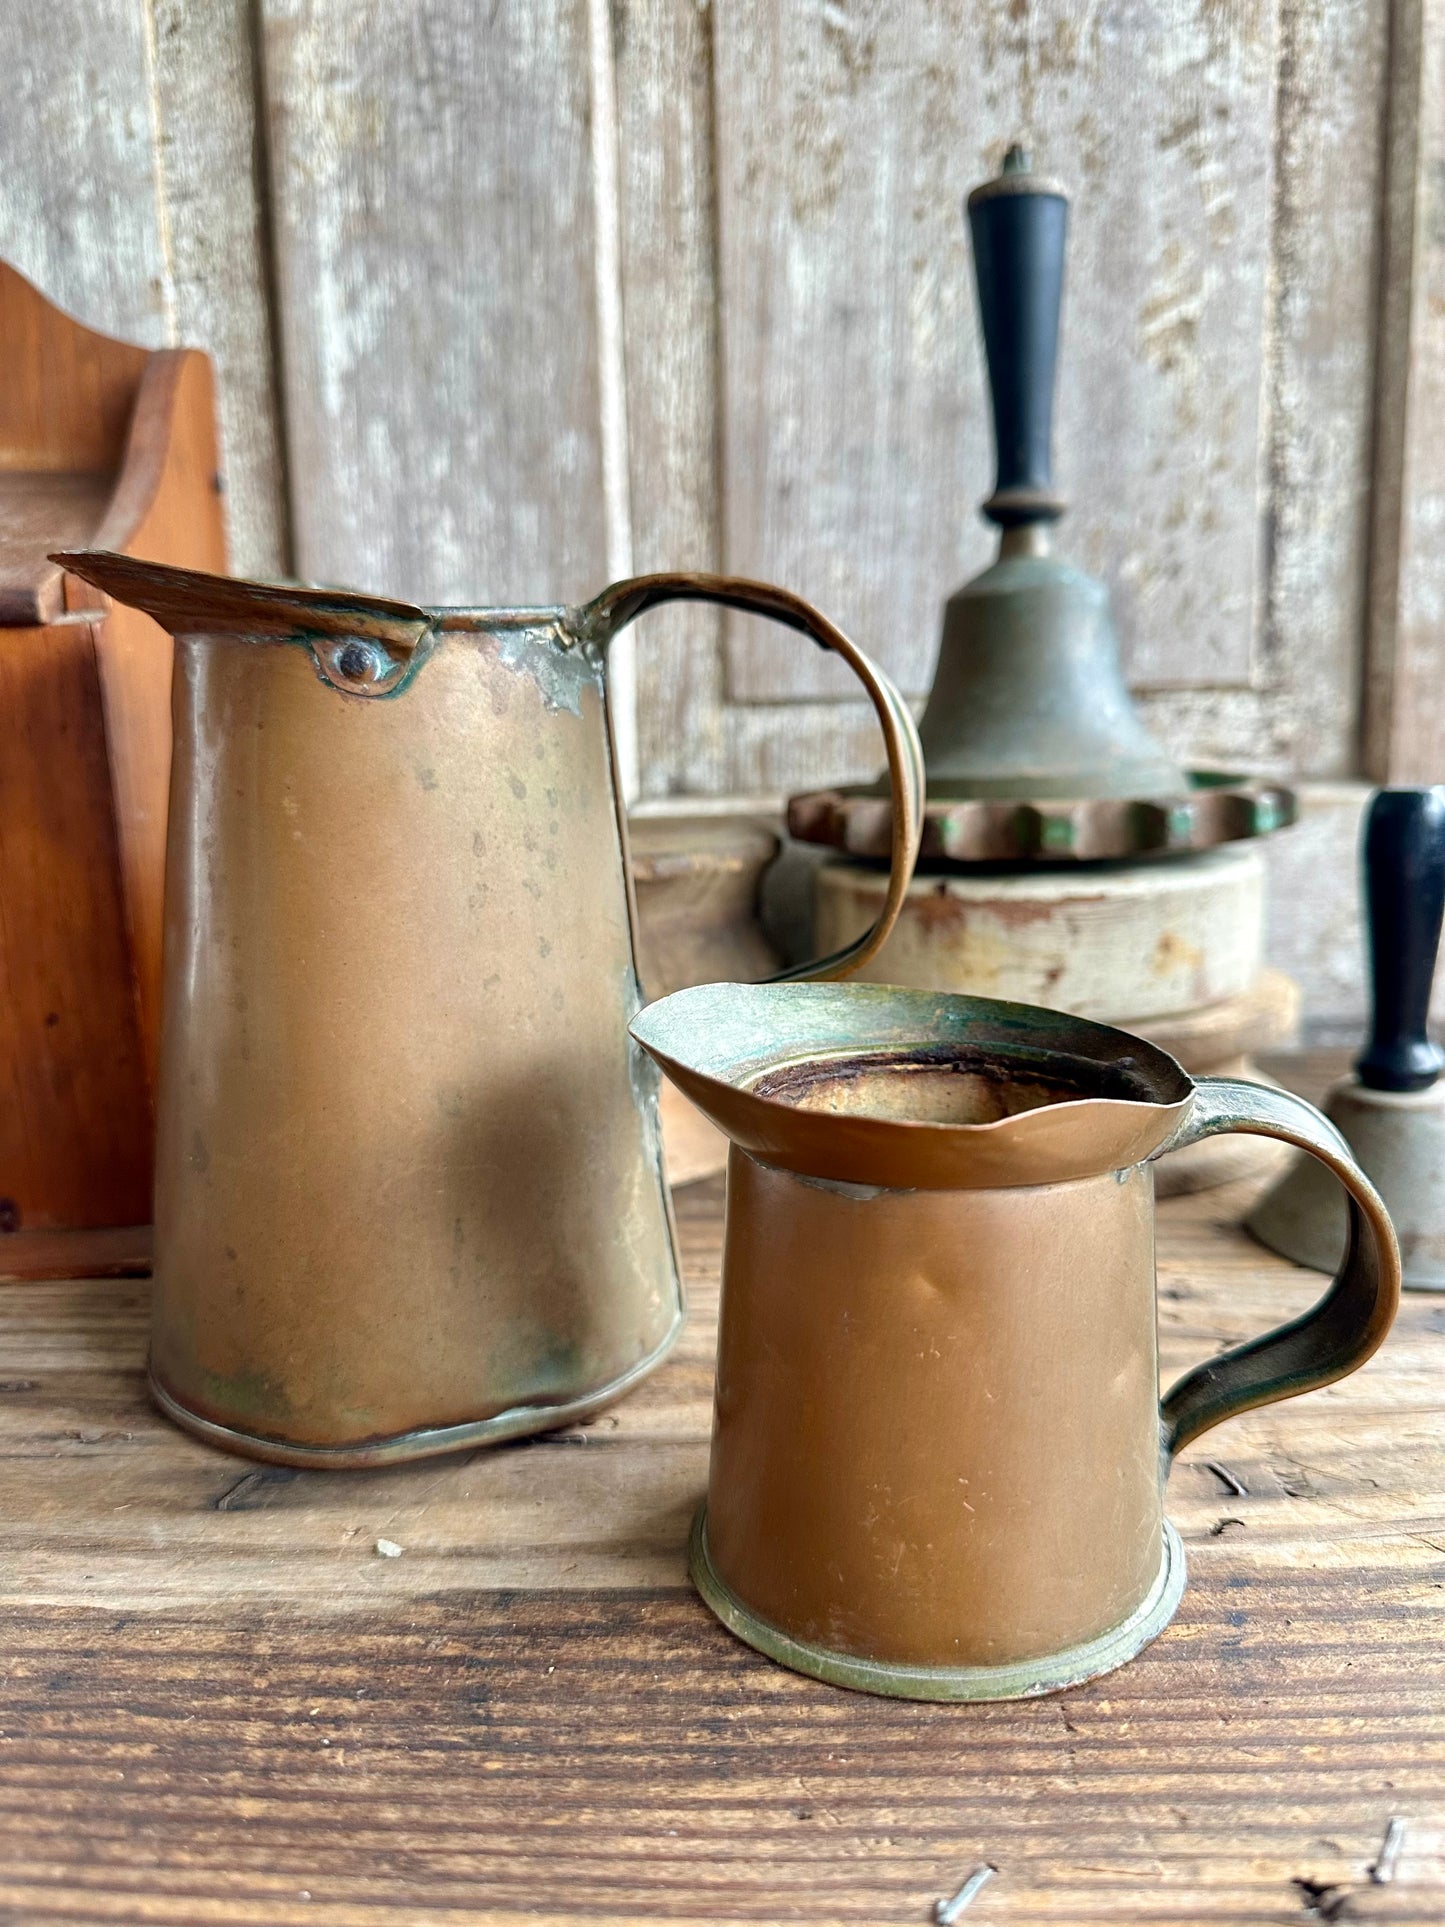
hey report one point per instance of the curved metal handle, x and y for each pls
(1335, 1335)
(599, 620)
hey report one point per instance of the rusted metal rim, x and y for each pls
(428, 1442)
(1023, 1679)
(1217, 808)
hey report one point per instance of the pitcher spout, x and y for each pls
(913, 1090)
(189, 602)
(362, 645)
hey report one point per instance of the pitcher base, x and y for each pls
(1021, 1679)
(426, 1442)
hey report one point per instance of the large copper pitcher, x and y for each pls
(939, 1454)
(409, 1192)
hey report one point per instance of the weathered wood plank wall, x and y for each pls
(1405, 710)
(501, 299)
(433, 221)
(855, 428)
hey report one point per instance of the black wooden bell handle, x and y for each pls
(1019, 223)
(1404, 862)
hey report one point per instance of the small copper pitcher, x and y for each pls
(938, 1453)
(409, 1192)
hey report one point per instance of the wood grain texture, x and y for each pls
(1299, 708)
(99, 442)
(664, 64)
(1405, 697)
(166, 506)
(38, 513)
(433, 224)
(113, 1252)
(79, 213)
(219, 1704)
(131, 198)
(856, 433)
(75, 1112)
(65, 414)
(69, 391)
(617, 1758)
(1322, 341)
(212, 179)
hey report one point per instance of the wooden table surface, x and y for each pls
(220, 1703)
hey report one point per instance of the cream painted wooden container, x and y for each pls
(1118, 944)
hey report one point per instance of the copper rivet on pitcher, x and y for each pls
(355, 662)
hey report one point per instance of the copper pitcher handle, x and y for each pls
(601, 619)
(1333, 1336)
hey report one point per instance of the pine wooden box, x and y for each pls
(110, 446)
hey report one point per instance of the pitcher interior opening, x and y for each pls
(948, 1084)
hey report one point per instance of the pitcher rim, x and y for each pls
(739, 1036)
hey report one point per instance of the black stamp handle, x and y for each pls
(1404, 862)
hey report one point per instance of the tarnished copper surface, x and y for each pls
(409, 1189)
(724, 1044)
(939, 1451)
(937, 1442)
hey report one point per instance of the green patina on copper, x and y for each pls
(522, 1421)
(1124, 1101)
(1019, 1679)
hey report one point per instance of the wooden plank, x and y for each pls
(79, 215)
(165, 508)
(433, 217)
(1405, 695)
(118, 1252)
(38, 514)
(854, 424)
(211, 164)
(669, 291)
(1329, 179)
(101, 443)
(615, 1758)
(72, 1067)
(528, 1716)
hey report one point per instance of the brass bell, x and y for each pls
(1035, 752)
(1028, 698)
